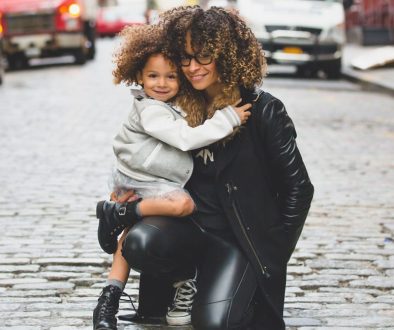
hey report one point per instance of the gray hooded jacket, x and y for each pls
(152, 143)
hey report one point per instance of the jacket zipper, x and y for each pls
(238, 217)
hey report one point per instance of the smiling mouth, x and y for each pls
(197, 77)
(162, 92)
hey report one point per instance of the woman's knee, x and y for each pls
(140, 242)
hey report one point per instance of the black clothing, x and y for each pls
(265, 192)
(209, 213)
(226, 282)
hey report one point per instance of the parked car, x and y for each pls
(370, 22)
(1, 60)
(47, 28)
(309, 34)
(113, 18)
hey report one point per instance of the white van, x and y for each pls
(307, 33)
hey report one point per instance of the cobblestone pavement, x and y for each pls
(56, 127)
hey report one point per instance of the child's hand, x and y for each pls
(242, 111)
(128, 196)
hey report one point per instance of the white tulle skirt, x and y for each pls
(120, 183)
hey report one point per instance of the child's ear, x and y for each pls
(139, 78)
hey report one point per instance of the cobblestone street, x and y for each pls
(56, 129)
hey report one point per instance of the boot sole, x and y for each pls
(107, 248)
(99, 210)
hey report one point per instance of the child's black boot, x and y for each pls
(104, 315)
(113, 219)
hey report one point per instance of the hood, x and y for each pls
(308, 13)
(29, 6)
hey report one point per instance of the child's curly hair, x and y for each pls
(239, 57)
(139, 42)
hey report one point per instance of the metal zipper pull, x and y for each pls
(229, 188)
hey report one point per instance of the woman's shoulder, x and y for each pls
(266, 104)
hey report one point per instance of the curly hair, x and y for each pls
(239, 57)
(139, 42)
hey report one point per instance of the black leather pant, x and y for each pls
(176, 246)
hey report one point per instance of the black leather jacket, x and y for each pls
(266, 193)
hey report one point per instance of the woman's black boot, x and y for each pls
(104, 315)
(113, 218)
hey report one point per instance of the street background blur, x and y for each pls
(59, 111)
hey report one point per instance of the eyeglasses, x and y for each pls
(202, 59)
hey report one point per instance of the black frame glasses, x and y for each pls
(202, 59)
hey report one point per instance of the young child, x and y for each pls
(152, 160)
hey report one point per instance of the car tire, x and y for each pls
(80, 56)
(90, 34)
(306, 71)
(333, 69)
(92, 50)
(17, 62)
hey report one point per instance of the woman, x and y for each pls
(252, 190)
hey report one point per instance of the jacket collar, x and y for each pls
(138, 92)
(250, 95)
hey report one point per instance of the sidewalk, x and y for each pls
(381, 78)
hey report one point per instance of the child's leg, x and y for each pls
(115, 216)
(177, 204)
(120, 269)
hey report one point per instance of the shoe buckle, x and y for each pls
(122, 210)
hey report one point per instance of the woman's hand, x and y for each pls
(242, 111)
(128, 196)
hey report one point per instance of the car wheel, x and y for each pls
(80, 56)
(305, 71)
(17, 62)
(333, 69)
(92, 51)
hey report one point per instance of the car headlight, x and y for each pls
(334, 34)
(258, 29)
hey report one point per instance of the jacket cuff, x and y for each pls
(231, 116)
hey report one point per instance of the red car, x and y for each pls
(112, 19)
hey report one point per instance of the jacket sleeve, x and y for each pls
(160, 123)
(290, 180)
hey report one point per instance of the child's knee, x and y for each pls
(184, 205)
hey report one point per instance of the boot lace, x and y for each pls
(185, 291)
(108, 308)
(129, 299)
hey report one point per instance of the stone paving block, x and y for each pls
(371, 321)
(69, 261)
(29, 293)
(14, 261)
(24, 327)
(299, 322)
(15, 281)
(374, 282)
(70, 328)
(24, 314)
(60, 286)
(9, 307)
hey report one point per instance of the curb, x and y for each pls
(367, 83)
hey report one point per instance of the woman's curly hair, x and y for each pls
(223, 33)
(138, 43)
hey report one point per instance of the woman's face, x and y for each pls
(203, 77)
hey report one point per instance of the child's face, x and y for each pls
(160, 78)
